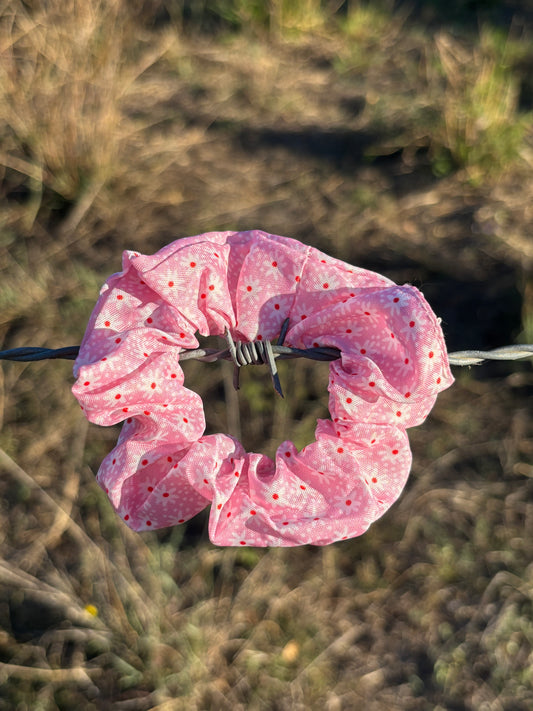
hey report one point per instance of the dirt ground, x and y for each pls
(432, 608)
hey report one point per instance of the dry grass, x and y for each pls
(116, 135)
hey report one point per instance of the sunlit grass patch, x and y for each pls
(483, 129)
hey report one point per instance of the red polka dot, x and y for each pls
(166, 494)
(205, 481)
(144, 462)
(124, 409)
(253, 512)
(348, 502)
(203, 296)
(438, 381)
(153, 386)
(323, 261)
(236, 473)
(396, 299)
(315, 345)
(372, 384)
(348, 330)
(149, 320)
(374, 479)
(142, 282)
(259, 337)
(119, 297)
(302, 487)
(276, 306)
(129, 420)
(243, 543)
(211, 287)
(228, 514)
(411, 324)
(303, 316)
(340, 450)
(248, 288)
(181, 520)
(392, 335)
(169, 459)
(145, 355)
(367, 313)
(285, 523)
(325, 285)
(398, 414)
(103, 359)
(150, 488)
(406, 361)
(363, 351)
(173, 375)
(171, 283)
(430, 354)
(107, 323)
(274, 264)
(127, 517)
(87, 382)
(322, 473)
(148, 523)
(147, 412)
(114, 461)
(118, 396)
(395, 451)
(275, 496)
(287, 454)
(373, 441)
(348, 400)
(219, 506)
(193, 264)
(185, 420)
(117, 340)
(407, 394)
(182, 335)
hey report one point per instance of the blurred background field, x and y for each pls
(395, 136)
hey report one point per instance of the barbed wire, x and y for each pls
(504, 353)
(461, 358)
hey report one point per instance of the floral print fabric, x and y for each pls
(164, 469)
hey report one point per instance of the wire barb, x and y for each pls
(253, 353)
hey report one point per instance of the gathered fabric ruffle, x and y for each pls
(165, 469)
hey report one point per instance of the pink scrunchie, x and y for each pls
(164, 470)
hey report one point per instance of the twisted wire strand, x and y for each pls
(460, 358)
(503, 353)
(247, 353)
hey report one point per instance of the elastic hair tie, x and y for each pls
(390, 364)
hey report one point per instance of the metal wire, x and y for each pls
(504, 353)
(30, 353)
(472, 357)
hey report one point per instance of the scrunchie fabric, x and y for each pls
(164, 469)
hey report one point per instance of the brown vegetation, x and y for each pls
(390, 140)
